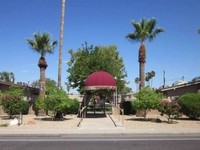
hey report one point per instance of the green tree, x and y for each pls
(56, 102)
(61, 43)
(137, 82)
(126, 90)
(144, 30)
(146, 99)
(90, 59)
(12, 101)
(149, 76)
(7, 76)
(50, 83)
(42, 44)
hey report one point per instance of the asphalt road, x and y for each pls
(100, 142)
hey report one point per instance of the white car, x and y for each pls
(179, 82)
(196, 79)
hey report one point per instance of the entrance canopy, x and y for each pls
(100, 80)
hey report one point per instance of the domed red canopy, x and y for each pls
(100, 80)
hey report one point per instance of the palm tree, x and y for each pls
(12, 77)
(61, 44)
(144, 30)
(149, 76)
(41, 43)
(137, 81)
(7, 76)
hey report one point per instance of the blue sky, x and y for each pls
(102, 22)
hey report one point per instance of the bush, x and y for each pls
(190, 105)
(171, 109)
(13, 105)
(4, 125)
(56, 102)
(73, 107)
(25, 107)
(39, 103)
(147, 99)
(129, 108)
(12, 102)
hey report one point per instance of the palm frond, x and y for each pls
(155, 33)
(41, 43)
(151, 25)
(145, 29)
(132, 37)
(143, 23)
(137, 26)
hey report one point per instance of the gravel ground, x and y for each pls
(31, 121)
(157, 121)
(154, 121)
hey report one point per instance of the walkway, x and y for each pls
(100, 122)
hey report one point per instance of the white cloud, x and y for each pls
(24, 71)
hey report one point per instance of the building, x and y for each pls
(178, 90)
(30, 93)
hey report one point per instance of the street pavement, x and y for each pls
(99, 142)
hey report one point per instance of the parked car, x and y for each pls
(179, 82)
(196, 79)
(164, 86)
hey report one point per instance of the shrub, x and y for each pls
(4, 125)
(73, 106)
(190, 105)
(147, 99)
(39, 103)
(56, 102)
(13, 105)
(129, 108)
(25, 107)
(12, 102)
(171, 109)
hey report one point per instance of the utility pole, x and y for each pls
(163, 78)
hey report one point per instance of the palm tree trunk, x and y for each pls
(42, 82)
(142, 61)
(61, 44)
(42, 65)
(142, 76)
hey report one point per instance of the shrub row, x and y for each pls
(190, 105)
(147, 99)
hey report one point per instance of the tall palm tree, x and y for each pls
(42, 44)
(61, 44)
(144, 30)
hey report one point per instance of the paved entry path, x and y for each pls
(100, 123)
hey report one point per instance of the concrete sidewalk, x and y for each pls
(103, 131)
(101, 123)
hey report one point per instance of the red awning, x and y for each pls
(100, 80)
